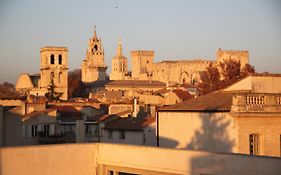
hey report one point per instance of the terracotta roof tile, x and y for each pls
(184, 95)
(133, 124)
(135, 83)
(36, 114)
(68, 112)
(217, 101)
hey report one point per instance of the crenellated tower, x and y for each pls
(142, 63)
(93, 67)
(237, 55)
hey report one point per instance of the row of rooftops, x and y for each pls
(130, 83)
(112, 121)
(226, 101)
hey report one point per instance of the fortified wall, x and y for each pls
(188, 71)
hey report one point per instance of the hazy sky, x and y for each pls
(174, 29)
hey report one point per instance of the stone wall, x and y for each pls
(179, 71)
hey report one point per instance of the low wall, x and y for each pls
(48, 160)
(100, 158)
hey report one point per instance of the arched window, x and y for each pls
(60, 59)
(60, 78)
(96, 47)
(52, 59)
(183, 80)
(52, 76)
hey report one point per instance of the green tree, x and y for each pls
(52, 95)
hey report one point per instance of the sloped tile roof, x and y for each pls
(135, 83)
(132, 124)
(183, 95)
(217, 101)
(68, 112)
(36, 114)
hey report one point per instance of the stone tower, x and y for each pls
(238, 55)
(142, 63)
(119, 65)
(93, 67)
(54, 66)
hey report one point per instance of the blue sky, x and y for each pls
(174, 29)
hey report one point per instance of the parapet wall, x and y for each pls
(142, 52)
(100, 158)
(53, 48)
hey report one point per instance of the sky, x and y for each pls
(174, 29)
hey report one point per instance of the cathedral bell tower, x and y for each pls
(119, 65)
(53, 69)
(93, 67)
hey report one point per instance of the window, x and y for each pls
(254, 141)
(46, 129)
(34, 130)
(183, 80)
(91, 130)
(60, 59)
(60, 78)
(278, 101)
(52, 59)
(96, 47)
(122, 134)
(67, 128)
(110, 134)
(52, 75)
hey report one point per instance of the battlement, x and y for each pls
(238, 55)
(53, 48)
(232, 51)
(142, 52)
(190, 61)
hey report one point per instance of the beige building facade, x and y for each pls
(233, 120)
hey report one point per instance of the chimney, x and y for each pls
(135, 107)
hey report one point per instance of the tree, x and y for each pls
(7, 91)
(52, 95)
(211, 81)
(75, 85)
(230, 72)
(8, 85)
(247, 70)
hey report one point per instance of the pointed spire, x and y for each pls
(95, 32)
(119, 49)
